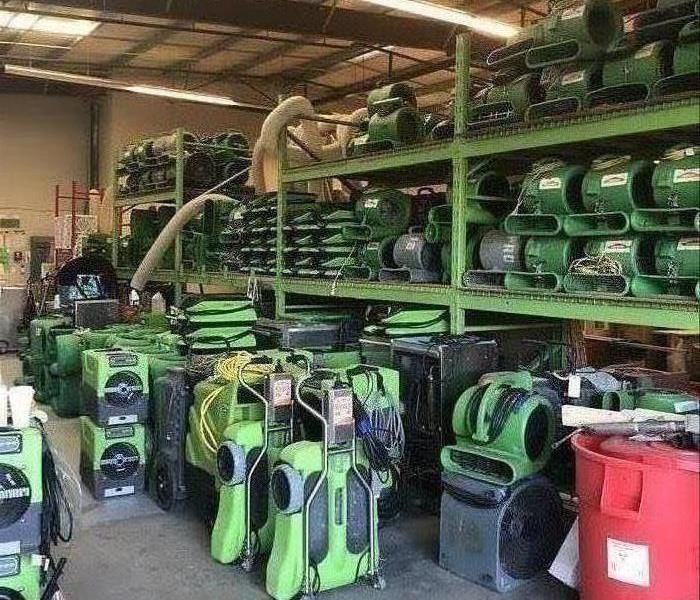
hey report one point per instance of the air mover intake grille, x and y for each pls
(482, 464)
(123, 389)
(530, 532)
(120, 461)
(15, 495)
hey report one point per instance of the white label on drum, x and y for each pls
(686, 175)
(628, 562)
(550, 183)
(127, 490)
(411, 244)
(686, 406)
(571, 78)
(688, 243)
(612, 246)
(614, 179)
(644, 51)
(371, 202)
(572, 13)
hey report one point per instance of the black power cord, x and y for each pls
(56, 515)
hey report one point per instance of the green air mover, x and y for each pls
(505, 102)
(214, 313)
(676, 193)
(381, 214)
(244, 526)
(664, 21)
(629, 75)
(375, 256)
(498, 252)
(115, 386)
(21, 491)
(546, 262)
(326, 523)
(36, 372)
(550, 191)
(394, 120)
(503, 430)
(608, 266)
(220, 339)
(668, 401)
(565, 90)
(20, 577)
(112, 459)
(575, 32)
(613, 188)
(67, 367)
(686, 63)
(677, 267)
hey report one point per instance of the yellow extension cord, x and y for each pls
(228, 369)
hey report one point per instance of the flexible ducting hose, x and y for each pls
(167, 237)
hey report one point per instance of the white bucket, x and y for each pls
(21, 401)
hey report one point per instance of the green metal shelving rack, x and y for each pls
(429, 163)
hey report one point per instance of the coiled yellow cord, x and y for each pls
(227, 370)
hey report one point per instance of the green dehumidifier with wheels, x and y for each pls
(21, 491)
(19, 577)
(112, 459)
(326, 523)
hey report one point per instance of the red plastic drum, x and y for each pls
(639, 531)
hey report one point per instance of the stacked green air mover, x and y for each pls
(624, 225)
(20, 513)
(35, 370)
(658, 57)
(375, 341)
(249, 240)
(393, 121)
(381, 237)
(217, 326)
(150, 165)
(549, 67)
(314, 241)
(115, 396)
(504, 428)
(203, 239)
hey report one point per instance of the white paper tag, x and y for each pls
(574, 390)
(686, 406)
(371, 202)
(572, 13)
(616, 246)
(410, 244)
(644, 51)
(628, 562)
(686, 175)
(614, 179)
(571, 78)
(566, 564)
(550, 183)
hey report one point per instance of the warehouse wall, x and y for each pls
(125, 117)
(44, 141)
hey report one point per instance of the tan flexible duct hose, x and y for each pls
(167, 237)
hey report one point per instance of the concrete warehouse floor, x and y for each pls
(129, 548)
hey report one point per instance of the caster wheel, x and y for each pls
(379, 582)
(164, 485)
(248, 564)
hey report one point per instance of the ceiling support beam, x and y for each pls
(405, 74)
(286, 16)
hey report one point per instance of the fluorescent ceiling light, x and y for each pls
(371, 54)
(483, 25)
(58, 25)
(136, 88)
